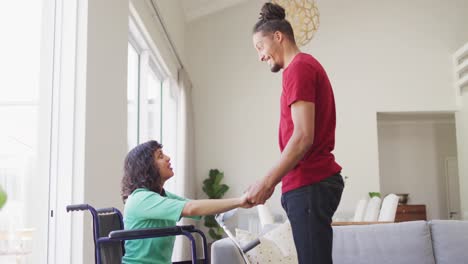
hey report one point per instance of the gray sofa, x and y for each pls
(421, 242)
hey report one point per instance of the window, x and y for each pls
(152, 102)
(144, 98)
(37, 91)
(25, 130)
(132, 95)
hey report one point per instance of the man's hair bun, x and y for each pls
(272, 11)
(273, 18)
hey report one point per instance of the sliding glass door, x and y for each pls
(25, 118)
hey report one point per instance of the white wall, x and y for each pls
(412, 153)
(380, 56)
(105, 146)
(461, 118)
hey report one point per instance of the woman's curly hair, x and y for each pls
(140, 170)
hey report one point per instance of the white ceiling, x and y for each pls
(194, 9)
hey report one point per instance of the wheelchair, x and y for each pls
(109, 235)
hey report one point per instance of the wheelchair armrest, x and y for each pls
(188, 228)
(144, 233)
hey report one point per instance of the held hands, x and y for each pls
(245, 202)
(259, 192)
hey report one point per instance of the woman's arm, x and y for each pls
(213, 206)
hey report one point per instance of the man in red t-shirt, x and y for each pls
(311, 181)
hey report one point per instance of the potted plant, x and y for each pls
(214, 190)
(3, 197)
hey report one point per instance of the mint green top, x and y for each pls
(147, 209)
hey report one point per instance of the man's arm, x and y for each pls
(303, 117)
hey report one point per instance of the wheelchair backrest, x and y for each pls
(111, 252)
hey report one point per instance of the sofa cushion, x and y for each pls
(408, 242)
(283, 239)
(266, 252)
(450, 241)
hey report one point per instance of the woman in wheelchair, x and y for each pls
(148, 205)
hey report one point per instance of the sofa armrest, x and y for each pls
(450, 241)
(224, 251)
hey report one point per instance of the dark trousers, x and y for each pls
(310, 210)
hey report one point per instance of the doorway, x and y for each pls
(417, 155)
(453, 188)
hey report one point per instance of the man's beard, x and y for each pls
(275, 68)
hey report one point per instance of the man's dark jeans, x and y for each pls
(310, 210)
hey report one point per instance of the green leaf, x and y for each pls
(213, 173)
(210, 221)
(3, 197)
(214, 235)
(212, 186)
(219, 231)
(374, 194)
(210, 224)
(218, 178)
(221, 191)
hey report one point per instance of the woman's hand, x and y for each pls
(244, 202)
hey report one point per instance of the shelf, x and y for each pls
(462, 67)
(462, 52)
(462, 82)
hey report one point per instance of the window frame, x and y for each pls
(64, 114)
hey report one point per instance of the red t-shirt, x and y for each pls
(305, 80)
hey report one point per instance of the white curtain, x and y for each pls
(185, 178)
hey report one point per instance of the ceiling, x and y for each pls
(194, 9)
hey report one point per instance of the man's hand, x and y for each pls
(260, 192)
(245, 202)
